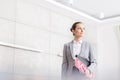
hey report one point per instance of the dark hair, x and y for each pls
(74, 26)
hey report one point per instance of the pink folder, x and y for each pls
(82, 67)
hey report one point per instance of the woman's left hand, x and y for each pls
(88, 73)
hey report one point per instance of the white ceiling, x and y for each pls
(95, 8)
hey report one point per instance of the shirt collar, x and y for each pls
(80, 41)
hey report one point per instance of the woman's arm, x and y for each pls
(64, 62)
(92, 59)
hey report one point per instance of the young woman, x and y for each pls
(78, 47)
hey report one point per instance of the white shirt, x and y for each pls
(76, 48)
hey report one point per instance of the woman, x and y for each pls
(80, 48)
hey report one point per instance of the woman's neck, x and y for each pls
(77, 38)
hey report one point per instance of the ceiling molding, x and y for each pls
(107, 19)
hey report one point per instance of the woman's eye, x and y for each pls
(79, 28)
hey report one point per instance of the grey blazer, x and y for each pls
(68, 62)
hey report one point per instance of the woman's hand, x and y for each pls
(88, 73)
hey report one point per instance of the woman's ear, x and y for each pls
(72, 30)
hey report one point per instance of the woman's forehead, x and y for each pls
(80, 25)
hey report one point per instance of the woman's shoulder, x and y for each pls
(68, 43)
(86, 42)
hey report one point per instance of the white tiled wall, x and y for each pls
(6, 59)
(30, 14)
(108, 58)
(55, 71)
(6, 63)
(31, 63)
(7, 31)
(7, 9)
(57, 42)
(60, 23)
(33, 37)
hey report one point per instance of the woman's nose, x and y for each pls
(82, 30)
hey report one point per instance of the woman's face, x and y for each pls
(79, 30)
